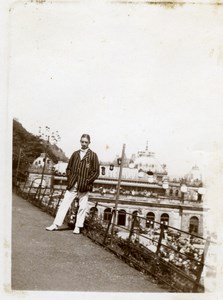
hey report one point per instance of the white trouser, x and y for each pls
(66, 203)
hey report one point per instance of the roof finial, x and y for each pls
(147, 145)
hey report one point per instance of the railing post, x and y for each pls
(160, 239)
(58, 202)
(50, 200)
(127, 252)
(200, 268)
(92, 216)
(40, 202)
(132, 228)
(24, 187)
(113, 224)
(39, 199)
(29, 190)
(37, 191)
(108, 226)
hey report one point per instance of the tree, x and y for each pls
(27, 147)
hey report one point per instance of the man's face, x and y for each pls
(84, 143)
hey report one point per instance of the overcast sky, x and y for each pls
(124, 74)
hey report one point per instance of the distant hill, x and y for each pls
(28, 147)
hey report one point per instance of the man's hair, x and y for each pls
(87, 136)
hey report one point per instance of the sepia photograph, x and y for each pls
(114, 113)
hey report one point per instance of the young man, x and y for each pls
(82, 170)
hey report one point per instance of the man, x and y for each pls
(82, 170)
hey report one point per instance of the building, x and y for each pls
(39, 169)
(145, 187)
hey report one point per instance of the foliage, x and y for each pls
(28, 147)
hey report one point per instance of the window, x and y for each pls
(150, 218)
(107, 214)
(193, 226)
(121, 217)
(164, 219)
(94, 210)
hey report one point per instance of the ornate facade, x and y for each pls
(145, 187)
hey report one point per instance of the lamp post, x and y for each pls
(49, 137)
(121, 161)
(183, 189)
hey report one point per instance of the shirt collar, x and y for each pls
(84, 150)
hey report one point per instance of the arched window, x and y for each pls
(176, 192)
(194, 224)
(150, 218)
(171, 192)
(164, 219)
(94, 210)
(121, 217)
(107, 214)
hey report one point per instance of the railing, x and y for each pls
(49, 200)
(174, 257)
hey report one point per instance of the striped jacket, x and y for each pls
(82, 171)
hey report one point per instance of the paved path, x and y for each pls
(62, 261)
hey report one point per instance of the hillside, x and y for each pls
(28, 147)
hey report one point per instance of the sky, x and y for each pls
(124, 74)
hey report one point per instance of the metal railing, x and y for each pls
(174, 257)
